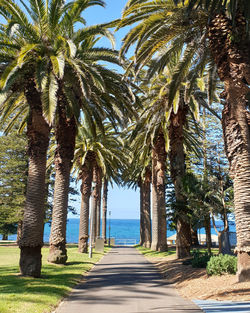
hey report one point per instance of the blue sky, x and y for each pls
(123, 203)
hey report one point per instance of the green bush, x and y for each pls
(222, 264)
(200, 259)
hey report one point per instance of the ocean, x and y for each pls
(119, 229)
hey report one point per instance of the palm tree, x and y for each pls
(161, 112)
(101, 151)
(146, 185)
(149, 136)
(22, 51)
(183, 49)
(39, 57)
(228, 34)
(177, 137)
(101, 94)
(225, 25)
(104, 209)
(86, 176)
(137, 172)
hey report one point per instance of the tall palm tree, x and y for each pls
(86, 176)
(104, 209)
(104, 148)
(137, 173)
(101, 94)
(148, 137)
(224, 26)
(38, 61)
(22, 52)
(160, 115)
(146, 209)
(179, 48)
(39, 51)
(227, 29)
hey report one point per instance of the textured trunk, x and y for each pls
(86, 176)
(142, 216)
(94, 200)
(19, 230)
(147, 209)
(207, 223)
(159, 226)
(177, 171)
(65, 137)
(5, 237)
(104, 209)
(233, 62)
(194, 236)
(31, 239)
(207, 226)
(98, 211)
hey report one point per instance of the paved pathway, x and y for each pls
(125, 282)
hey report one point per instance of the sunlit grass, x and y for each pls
(149, 252)
(39, 295)
(171, 251)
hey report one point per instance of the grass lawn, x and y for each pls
(171, 251)
(148, 252)
(39, 295)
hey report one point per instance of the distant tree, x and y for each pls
(13, 173)
(98, 156)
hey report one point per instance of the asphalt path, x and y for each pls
(125, 282)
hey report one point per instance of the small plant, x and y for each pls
(222, 264)
(200, 259)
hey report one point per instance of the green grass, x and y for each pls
(204, 250)
(39, 295)
(7, 242)
(148, 252)
(171, 251)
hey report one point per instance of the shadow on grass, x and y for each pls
(77, 263)
(53, 284)
(149, 252)
(56, 281)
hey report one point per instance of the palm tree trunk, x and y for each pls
(142, 219)
(65, 137)
(31, 239)
(147, 209)
(207, 223)
(95, 199)
(194, 235)
(104, 209)
(177, 171)
(233, 62)
(86, 176)
(19, 230)
(207, 226)
(97, 196)
(159, 226)
(98, 212)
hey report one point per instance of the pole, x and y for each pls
(91, 221)
(109, 226)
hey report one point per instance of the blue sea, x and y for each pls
(119, 229)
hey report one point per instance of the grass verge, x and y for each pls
(39, 295)
(171, 251)
(151, 253)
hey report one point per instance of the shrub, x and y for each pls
(222, 264)
(200, 260)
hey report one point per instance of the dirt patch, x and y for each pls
(194, 283)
